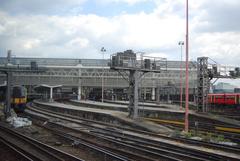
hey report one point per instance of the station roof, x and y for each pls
(63, 62)
(48, 86)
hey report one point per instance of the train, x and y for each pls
(224, 99)
(18, 97)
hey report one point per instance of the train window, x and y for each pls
(229, 97)
(24, 91)
(18, 92)
(218, 96)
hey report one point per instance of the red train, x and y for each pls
(231, 99)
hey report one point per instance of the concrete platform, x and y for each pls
(116, 117)
(163, 111)
(147, 104)
(124, 105)
(152, 112)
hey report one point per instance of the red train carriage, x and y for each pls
(232, 99)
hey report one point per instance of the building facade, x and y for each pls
(84, 76)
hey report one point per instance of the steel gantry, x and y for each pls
(82, 75)
(127, 61)
(205, 73)
(203, 83)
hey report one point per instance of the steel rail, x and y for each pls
(41, 151)
(149, 140)
(18, 154)
(184, 140)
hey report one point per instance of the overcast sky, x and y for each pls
(79, 28)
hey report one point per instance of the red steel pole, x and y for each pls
(187, 97)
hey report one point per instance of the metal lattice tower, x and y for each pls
(203, 81)
(127, 61)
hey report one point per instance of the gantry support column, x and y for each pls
(133, 94)
(7, 107)
(203, 83)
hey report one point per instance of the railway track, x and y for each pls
(230, 133)
(26, 148)
(217, 130)
(111, 152)
(232, 115)
(210, 145)
(11, 153)
(154, 148)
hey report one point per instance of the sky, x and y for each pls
(80, 28)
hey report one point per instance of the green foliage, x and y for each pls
(206, 136)
(189, 134)
(220, 138)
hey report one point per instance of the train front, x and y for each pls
(19, 98)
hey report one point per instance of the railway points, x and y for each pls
(61, 121)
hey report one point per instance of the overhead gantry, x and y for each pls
(132, 67)
(205, 73)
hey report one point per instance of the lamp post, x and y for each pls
(181, 43)
(187, 97)
(103, 50)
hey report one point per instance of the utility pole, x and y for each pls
(103, 50)
(7, 107)
(187, 83)
(181, 43)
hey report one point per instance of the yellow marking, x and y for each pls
(165, 121)
(228, 129)
(19, 100)
(16, 100)
(23, 100)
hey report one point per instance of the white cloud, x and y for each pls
(222, 47)
(81, 42)
(150, 31)
(40, 6)
(158, 32)
(130, 2)
(30, 44)
(84, 32)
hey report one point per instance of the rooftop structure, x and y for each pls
(83, 75)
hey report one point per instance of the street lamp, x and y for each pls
(103, 50)
(181, 43)
(186, 127)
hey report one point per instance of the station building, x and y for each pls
(86, 77)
